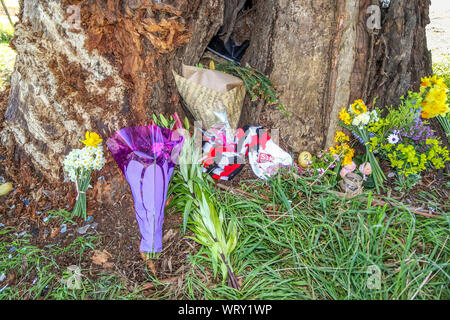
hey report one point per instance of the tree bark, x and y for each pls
(116, 70)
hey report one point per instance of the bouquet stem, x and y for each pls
(82, 185)
(443, 120)
(377, 173)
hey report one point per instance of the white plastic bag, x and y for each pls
(264, 155)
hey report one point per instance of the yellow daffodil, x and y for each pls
(435, 103)
(92, 139)
(439, 82)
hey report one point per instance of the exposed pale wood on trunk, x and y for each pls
(342, 62)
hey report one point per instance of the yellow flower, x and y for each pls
(344, 116)
(341, 137)
(334, 150)
(435, 103)
(358, 107)
(439, 82)
(426, 82)
(437, 94)
(92, 139)
(348, 157)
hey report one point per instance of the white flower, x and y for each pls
(393, 138)
(356, 121)
(365, 118)
(374, 116)
(79, 161)
(361, 120)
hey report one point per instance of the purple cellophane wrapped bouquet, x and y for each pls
(147, 156)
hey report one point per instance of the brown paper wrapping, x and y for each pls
(209, 94)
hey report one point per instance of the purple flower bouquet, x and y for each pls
(147, 156)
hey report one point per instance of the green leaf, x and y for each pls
(187, 210)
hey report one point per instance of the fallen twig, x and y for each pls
(380, 203)
(237, 191)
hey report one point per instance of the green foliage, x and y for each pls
(63, 215)
(6, 32)
(442, 70)
(325, 163)
(416, 149)
(7, 54)
(402, 116)
(41, 273)
(191, 194)
(405, 183)
(324, 249)
(163, 122)
(258, 85)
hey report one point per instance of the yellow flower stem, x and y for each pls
(377, 173)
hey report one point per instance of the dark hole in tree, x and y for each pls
(233, 38)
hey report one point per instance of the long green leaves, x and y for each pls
(191, 194)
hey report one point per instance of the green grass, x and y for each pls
(325, 250)
(315, 245)
(39, 275)
(7, 55)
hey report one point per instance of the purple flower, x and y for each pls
(359, 138)
(419, 132)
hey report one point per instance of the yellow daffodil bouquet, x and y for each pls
(357, 118)
(79, 164)
(435, 101)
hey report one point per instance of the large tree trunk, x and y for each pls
(112, 72)
(322, 56)
(116, 69)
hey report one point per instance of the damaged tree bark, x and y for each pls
(115, 70)
(111, 71)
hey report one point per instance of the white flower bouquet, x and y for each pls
(79, 164)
